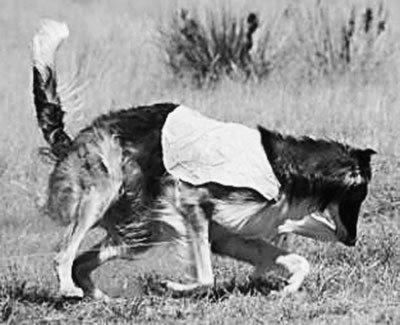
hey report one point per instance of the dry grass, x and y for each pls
(112, 46)
(310, 41)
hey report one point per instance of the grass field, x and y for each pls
(113, 44)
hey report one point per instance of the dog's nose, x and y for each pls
(350, 241)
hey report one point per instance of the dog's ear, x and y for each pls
(271, 142)
(364, 156)
(369, 152)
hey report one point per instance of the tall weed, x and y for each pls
(207, 45)
(331, 40)
(305, 40)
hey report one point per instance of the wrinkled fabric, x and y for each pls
(199, 150)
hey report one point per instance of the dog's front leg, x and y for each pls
(259, 253)
(194, 208)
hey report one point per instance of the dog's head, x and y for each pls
(350, 203)
(339, 219)
(333, 176)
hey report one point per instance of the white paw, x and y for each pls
(291, 288)
(179, 287)
(71, 292)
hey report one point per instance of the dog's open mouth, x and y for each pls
(321, 227)
(314, 225)
(326, 220)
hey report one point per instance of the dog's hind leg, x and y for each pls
(83, 186)
(191, 218)
(259, 253)
(108, 249)
(90, 210)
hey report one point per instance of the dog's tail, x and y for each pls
(46, 42)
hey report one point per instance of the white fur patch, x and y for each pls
(45, 43)
(108, 252)
(298, 267)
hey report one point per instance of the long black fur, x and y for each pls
(49, 112)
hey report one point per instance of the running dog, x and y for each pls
(114, 175)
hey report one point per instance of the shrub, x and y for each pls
(330, 39)
(205, 48)
(307, 39)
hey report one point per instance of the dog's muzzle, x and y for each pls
(349, 241)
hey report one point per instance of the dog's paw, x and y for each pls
(72, 292)
(180, 288)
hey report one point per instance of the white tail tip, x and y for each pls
(46, 41)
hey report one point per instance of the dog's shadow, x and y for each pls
(34, 295)
(151, 285)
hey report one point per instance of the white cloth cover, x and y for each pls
(198, 150)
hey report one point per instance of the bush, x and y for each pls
(307, 39)
(210, 47)
(333, 40)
